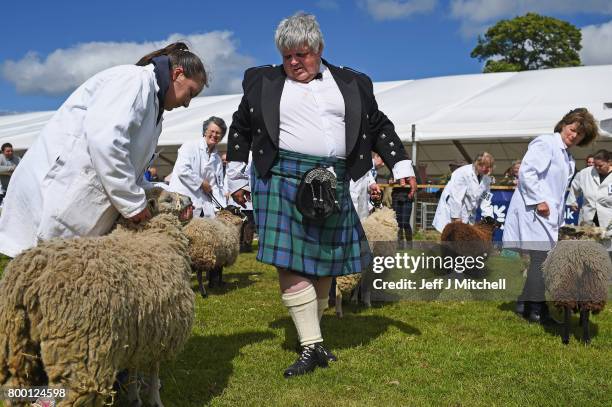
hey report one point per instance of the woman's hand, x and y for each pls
(206, 187)
(141, 216)
(542, 209)
(241, 197)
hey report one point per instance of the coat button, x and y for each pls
(261, 152)
(364, 136)
(259, 131)
(391, 144)
(236, 147)
(383, 136)
(367, 116)
(235, 135)
(361, 156)
(393, 153)
(251, 109)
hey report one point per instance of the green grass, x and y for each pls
(407, 353)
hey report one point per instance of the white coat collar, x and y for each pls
(204, 146)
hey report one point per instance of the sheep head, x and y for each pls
(232, 215)
(162, 201)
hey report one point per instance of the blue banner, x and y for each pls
(501, 202)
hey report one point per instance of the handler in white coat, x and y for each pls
(87, 165)
(468, 189)
(595, 184)
(536, 210)
(198, 171)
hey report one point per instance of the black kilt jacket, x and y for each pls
(255, 125)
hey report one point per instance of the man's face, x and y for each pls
(590, 161)
(213, 135)
(8, 153)
(301, 64)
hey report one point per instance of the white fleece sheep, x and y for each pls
(75, 312)
(214, 242)
(380, 228)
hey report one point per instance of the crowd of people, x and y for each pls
(89, 166)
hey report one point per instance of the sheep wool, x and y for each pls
(75, 312)
(576, 273)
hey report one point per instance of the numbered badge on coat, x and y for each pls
(486, 196)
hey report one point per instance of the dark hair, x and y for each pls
(587, 126)
(6, 145)
(216, 120)
(179, 55)
(589, 156)
(602, 154)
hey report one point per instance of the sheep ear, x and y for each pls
(153, 206)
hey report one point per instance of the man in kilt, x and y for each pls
(308, 113)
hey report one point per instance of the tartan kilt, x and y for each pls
(333, 248)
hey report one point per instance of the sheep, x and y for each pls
(75, 312)
(213, 244)
(380, 229)
(461, 239)
(577, 274)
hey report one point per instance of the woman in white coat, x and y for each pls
(536, 210)
(595, 185)
(86, 167)
(468, 189)
(198, 171)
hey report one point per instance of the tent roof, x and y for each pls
(496, 111)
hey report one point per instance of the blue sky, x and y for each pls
(48, 48)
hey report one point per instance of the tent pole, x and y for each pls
(414, 160)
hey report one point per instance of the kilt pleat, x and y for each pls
(333, 248)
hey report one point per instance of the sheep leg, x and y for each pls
(133, 389)
(566, 325)
(586, 337)
(338, 302)
(366, 293)
(201, 284)
(153, 396)
(355, 295)
(220, 276)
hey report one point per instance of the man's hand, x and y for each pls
(413, 185)
(141, 216)
(456, 220)
(241, 197)
(542, 209)
(574, 207)
(206, 187)
(375, 192)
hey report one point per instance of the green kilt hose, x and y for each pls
(336, 247)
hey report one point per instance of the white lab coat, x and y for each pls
(360, 194)
(597, 196)
(194, 165)
(462, 196)
(237, 176)
(87, 165)
(545, 173)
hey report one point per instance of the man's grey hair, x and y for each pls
(215, 120)
(298, 30)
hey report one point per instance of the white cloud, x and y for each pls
(396, 9)
(476, 14)
(63, 70)
(597, 44)
(328, 4)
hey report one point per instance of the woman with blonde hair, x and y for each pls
(469, 188)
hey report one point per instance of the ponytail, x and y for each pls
(180, 56)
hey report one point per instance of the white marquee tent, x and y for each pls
(453, 116)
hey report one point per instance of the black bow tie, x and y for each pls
(318, 76)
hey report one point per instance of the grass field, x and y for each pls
(407, 353)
